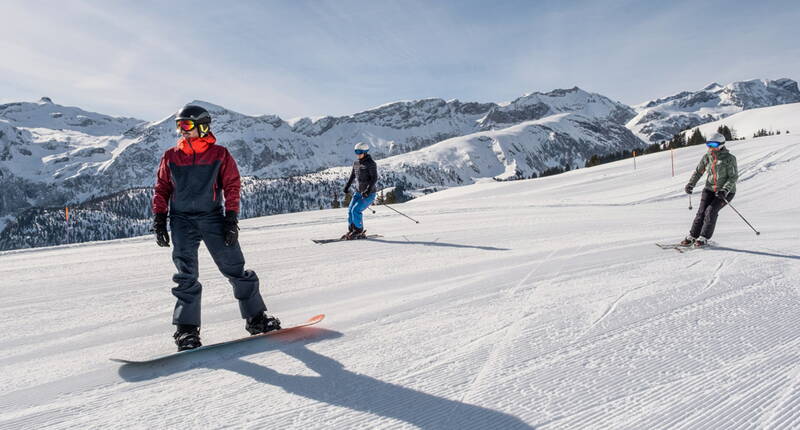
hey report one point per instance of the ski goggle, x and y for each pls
(713, 144)
(185, 124)
(361, 151)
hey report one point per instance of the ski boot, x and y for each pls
(187, 337)
(357, 233)
(262, 323)
(701, 242)
(350, 229)
(689, 241)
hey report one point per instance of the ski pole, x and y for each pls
(690, 202)
(740, 216)
(412, 219)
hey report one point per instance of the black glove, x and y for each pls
(722, 194)
(689, 188)
(346, 190)
(230, 228)
(160, 229)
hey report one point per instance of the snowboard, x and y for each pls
(311, 321)
(324, 241)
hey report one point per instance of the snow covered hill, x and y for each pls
(512, 305)
(773, 119)
(661, 119)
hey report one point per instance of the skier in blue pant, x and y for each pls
(365, 175)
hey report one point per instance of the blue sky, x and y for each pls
(314, 58)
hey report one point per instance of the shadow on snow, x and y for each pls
(333, 384)
(435, 243)
(747, 251)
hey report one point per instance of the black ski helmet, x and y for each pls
(195, 113)
(198, 114)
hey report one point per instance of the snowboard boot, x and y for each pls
(187, 337)
(701, 242)
(689, 241)
(262, 323)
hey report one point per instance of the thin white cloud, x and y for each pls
(311, 58)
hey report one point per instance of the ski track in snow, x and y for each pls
(529, 304)
(509, 332)
(611, 307)
(714, 278)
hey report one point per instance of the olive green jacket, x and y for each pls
(722, 171)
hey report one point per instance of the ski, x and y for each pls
(676, 246)
(682, 248)
(311, 321)
(324, 241)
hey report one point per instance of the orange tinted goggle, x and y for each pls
(185, 124)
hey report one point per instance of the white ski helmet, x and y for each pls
(717, 137)
(361, 146)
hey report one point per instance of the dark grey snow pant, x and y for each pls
(706, 219)
(187, 232)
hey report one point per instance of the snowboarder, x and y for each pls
(192, 179)
(365, 173)
(719, 190)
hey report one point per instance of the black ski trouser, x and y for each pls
(706, 219)
(187, 232)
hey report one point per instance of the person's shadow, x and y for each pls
(747, 251)
(436, 243)
(335, 385)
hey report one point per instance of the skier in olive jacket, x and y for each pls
(719, 190)
(365, 174)
(193, 177)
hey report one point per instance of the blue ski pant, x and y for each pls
(357, 205)
(187, 233)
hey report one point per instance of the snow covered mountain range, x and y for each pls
(660, 119)
(53, 155)
(78, 154)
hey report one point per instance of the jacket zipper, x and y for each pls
(194, 155)
(714, 169)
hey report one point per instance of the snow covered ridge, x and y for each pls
(660, 119)
(520, 151)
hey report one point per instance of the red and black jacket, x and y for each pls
(193, 176)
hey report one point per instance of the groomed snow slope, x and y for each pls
(531, 304)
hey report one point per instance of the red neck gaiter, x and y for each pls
(196, 145)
